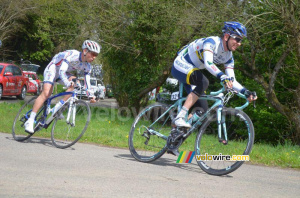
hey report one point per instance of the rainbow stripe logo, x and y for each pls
(185, 157)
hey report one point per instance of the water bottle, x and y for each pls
(57, 106)
(48, 110)
(195, 117)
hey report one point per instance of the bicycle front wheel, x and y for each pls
(65, 134)
(149, 133)
(211, 154)
(18, 130)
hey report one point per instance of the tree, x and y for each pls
(10, 13)
(273, 56)
(53, 27)
(147, 41)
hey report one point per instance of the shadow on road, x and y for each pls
(46, 142)
(192, 167)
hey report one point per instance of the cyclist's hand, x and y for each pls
(251, 95)
(227, 81)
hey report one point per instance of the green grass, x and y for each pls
(108, 128)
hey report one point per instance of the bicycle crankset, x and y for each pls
(175, 139)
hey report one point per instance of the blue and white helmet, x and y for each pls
(234, 28)
(91, 46)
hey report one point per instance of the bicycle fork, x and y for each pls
(221, 125)
(71, 111)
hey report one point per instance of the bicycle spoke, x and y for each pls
(63, 138)
(147, 138)
(240, 134)
(18, 130)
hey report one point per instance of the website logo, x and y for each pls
(185, 157)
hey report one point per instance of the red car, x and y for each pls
(13, 82)
(34, 83)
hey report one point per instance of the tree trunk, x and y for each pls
(287, 111)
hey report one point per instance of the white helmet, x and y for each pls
(91, 46)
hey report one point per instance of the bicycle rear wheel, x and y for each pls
(18, 130)
(63, 134)
(240, 133)
(144, 144)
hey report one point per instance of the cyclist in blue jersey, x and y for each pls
(58, 70)
(205, 53)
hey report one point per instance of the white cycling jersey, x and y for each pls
(63, 63)
(205, 53)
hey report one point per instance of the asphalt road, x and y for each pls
(37, 169)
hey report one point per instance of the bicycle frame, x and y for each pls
(45, 110)
(218, 97)
(45, 113)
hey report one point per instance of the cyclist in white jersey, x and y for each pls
(205, 53)
(58, 70)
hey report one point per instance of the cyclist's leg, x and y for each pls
(197, 78)
(71, 88)
(189, 75)
(49, 78)
(181, 70)
(46, 93)
(49, 75)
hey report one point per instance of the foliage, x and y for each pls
(146, 34)
(140, 40)
(10, 13)
(272, 58)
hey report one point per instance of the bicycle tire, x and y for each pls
(147, 147)
(63, 135)
(18, 130)
(240, 133)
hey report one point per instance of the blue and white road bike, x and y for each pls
(69, 122)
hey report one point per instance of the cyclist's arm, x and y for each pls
(229, 70)
(208, 58)
(209, 63)
(62, 73)
(87, 85)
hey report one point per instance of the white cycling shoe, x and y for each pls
(29, 126)
(180, 122)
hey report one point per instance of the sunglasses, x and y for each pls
(237, 39)
(93, 53)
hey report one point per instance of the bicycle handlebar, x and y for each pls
(232, 91)
(78, 86)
